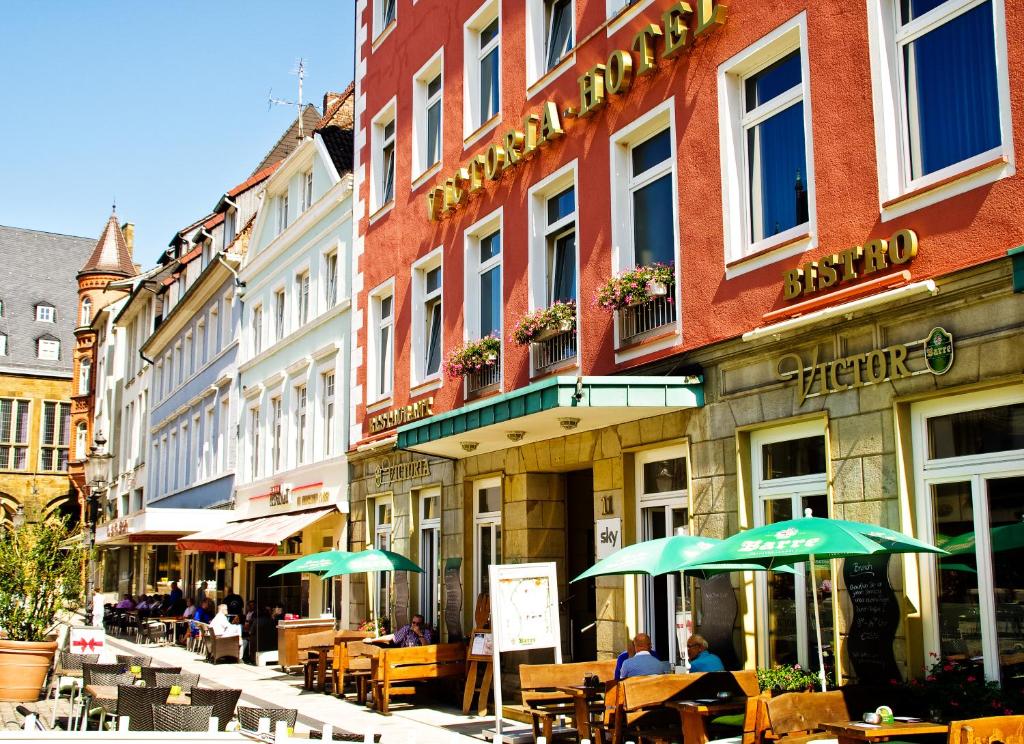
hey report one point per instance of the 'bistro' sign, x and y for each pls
(403, 415)
(615, 78)
(388, 473)
(858, 370)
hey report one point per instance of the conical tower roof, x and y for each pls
(111, 254)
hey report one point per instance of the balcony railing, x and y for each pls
(554, 351)
(638, 322)
(482, 381)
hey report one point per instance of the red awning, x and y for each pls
(259, 536)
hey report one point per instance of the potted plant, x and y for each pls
(955, 690)
(545, 323)
(40, 579)
(636, 286)
(473, 356)
(787, 678)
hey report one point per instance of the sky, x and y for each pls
(159, 105)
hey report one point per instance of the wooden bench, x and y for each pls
(543, 702)
(796, 717)
(638, 704)
(395, 669)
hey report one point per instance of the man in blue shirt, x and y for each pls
(642, 663)
(702, 660)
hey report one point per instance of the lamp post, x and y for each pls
(97, 476)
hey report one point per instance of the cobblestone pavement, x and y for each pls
(269, 687)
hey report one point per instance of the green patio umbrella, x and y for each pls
(372, 559)
(315, 563)
(809, 539)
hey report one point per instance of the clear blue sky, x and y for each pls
(161, 104)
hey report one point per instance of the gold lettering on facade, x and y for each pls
(591, 90)
(513, 148)
(676, 33)
(388, 473)
(709, 15)
(875, 255)
(550, 124)
(476, 173)
(619, 73)
(531, 123)
(399, 416)
(643, 45)
(494, 162)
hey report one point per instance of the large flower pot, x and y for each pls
(23, 667)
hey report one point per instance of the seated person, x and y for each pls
(234, 602)
(222, 626)
(630, 650)
(189, 611)
(416, 633)
(126, 603)
(702, 660)
(642, 663)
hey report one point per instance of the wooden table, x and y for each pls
(582, 697)
(694, 715)
(855, 732)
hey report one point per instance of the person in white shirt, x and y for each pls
(224, 628)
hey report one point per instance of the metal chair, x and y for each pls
(67, 678)
(137, 703)
(149, 673)
(185, 681)
(182, 717)
(130, 661)
(222, 700)
(249, 718)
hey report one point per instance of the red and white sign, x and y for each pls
(87, 640)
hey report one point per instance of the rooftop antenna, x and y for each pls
(300, 71)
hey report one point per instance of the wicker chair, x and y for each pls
(182, 717)
(137, 703)
(249, 718)
(130, 661)
(185, 681)
(97, 708)
(218, 648)
(67, 679)
(149, 673)
(223, 702)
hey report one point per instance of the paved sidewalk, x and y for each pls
(269, 687)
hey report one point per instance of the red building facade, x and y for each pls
(819, 189)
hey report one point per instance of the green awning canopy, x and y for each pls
(547, 409)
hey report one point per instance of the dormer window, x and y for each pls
(48, 348)
(46, 313)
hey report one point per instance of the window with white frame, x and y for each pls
(168, 373)
(200, 351)
(663, 511)
(223, 435)
(765, 120)
(276, 433)
(427, 93)
(643, 190)
(789, 475)
(282, 212)
(483, 277)
(48, 348)
(193, 463)
(430, 552)
(46, 313)
(86, 315)
(182, 463)
(383, 343)
(482, 67)
(307, 189)
(331, 279)
(327, 411)
(3, 344)
(179, 363)
(383, 157)
(549, 35)
(188, 351)
(553, 247)
(214, 327)
(300, 424)
(385, 12)
(487, 530)
(427, 341)
(209, 442)
(940, 68)
(254, 443)
(167, 447)
(84, 374)
(279, 314)
(302, 298)
(256, 328)
(969, 474)
(14, 423)
(55, 436)
(228, 304)
(230, 225)
(382, 527)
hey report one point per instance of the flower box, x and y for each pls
(636, 287)
(473, 357)
(543, 324)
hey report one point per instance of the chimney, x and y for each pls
(128, 230)
(330, 98)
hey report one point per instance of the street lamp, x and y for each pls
(97, 476)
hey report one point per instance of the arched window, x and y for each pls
(84, 372)
(81, 440)
(86, 312)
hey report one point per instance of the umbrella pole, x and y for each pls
(817, 626)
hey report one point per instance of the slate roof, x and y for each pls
(111, 254)
(39, 267)
(338, 142)
(290, 139)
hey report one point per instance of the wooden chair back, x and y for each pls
(798, 712)
(314, 640)
(1001, 729)
(539, 681)
(421, 662)
(640, 693)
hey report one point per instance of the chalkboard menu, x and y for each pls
(401, 599)
(718, 617)
(453, 598)
(876, 615)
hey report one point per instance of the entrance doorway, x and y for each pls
(581, 598)
(287, 590)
